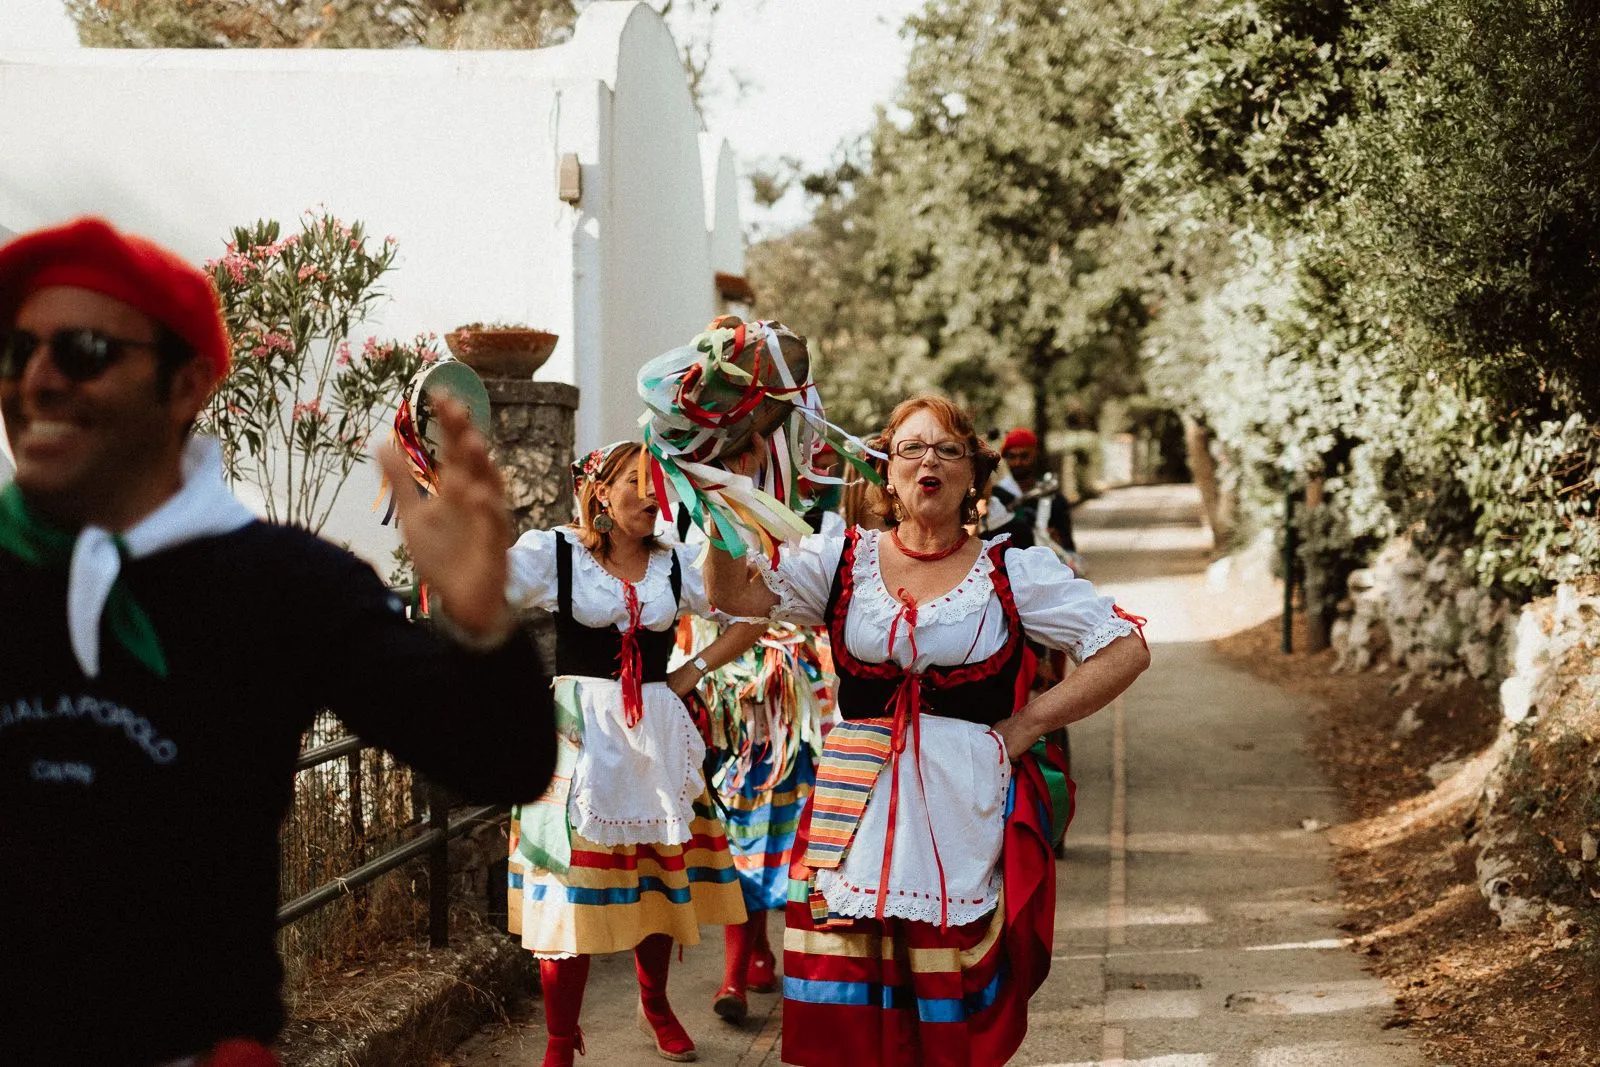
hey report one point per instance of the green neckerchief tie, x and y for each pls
(39, 545)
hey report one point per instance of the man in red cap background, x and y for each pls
(1021, 510)
(162, 651)
(1019, 506)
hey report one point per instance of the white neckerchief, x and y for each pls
(202, 507)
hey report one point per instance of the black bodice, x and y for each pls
(983, 692)
(596, 651)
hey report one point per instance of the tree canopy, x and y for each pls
(1356, 243)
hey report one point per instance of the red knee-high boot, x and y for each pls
(563, 982)
(762, 976)
(730, 1002)
(650, 960)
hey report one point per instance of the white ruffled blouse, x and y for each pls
(597, 594)
(631, 784)
(1056, 608)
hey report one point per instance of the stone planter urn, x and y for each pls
(501, 351)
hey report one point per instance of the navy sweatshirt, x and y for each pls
(139, 816)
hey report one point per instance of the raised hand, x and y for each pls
(458, 538)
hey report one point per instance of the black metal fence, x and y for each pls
(434, 843)
(357, 815)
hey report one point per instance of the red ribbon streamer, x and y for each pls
(908, 711)
(632, 666)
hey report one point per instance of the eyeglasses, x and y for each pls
(949, 451)
(80, 355)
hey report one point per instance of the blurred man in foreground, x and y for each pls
(162, 651)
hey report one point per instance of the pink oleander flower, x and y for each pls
(311, 409)
(342, 354)
(305, 272)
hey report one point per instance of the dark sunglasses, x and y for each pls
(80, 355)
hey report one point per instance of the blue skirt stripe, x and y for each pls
(888, 998)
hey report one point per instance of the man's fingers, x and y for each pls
(398, 470)
(465, 453)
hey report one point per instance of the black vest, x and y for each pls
(596, 651)
(982, 692)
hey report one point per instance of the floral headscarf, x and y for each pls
(587, 469)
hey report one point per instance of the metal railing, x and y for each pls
(433, 842)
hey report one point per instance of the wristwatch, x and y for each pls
(701, 665)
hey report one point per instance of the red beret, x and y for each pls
(90, 254)
(1020, 438)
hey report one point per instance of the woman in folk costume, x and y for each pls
(922, 896)
(768, 710)
(624, 851)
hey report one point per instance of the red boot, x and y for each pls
(762, 975)
(650, 960)
(563, 982)
(730, 1002)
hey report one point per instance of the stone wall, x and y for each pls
(1425, 615)
(534, 430)
(1537, 828)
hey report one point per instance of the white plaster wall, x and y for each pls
(458, 165)
(454, 153)
(655, 255)
(721, 177)
(36, 24)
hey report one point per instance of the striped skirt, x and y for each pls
(901, 993)
(610, 899)
(762, 826)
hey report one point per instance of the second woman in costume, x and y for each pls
(921, 908)
(624, 851)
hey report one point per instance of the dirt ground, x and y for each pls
(1477, 995)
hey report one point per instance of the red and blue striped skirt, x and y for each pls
(900, 993)
(612, 898)
(762, 824)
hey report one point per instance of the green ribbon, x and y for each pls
(40, 545)
(1055, 783)
(544, 830)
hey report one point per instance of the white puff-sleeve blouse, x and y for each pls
(598, 598)
(1056, 608)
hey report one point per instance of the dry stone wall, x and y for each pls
(1425, 615)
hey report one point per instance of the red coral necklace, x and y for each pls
(928, 557)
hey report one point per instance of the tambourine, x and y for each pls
(452, 378)
(417, 433)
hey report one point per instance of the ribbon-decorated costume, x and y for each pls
(765, 716)
(921, 899)
(625, 844)
(706, 399)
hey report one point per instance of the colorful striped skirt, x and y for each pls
(610, 899)
(762, 826)
(901, 993)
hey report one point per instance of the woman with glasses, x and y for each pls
(922, 895)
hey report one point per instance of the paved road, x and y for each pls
(1195, 924)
